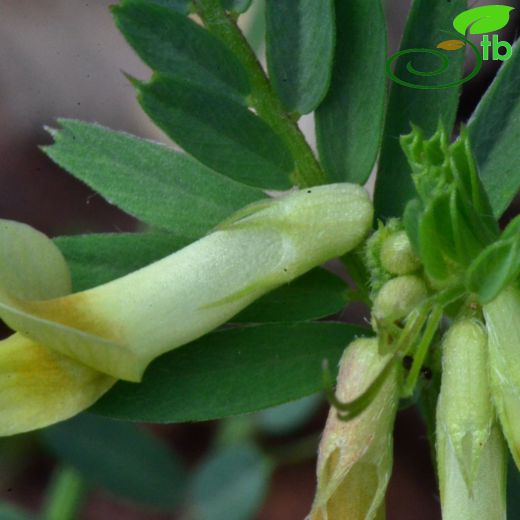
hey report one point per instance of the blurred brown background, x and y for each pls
(64, 58)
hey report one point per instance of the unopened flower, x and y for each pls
(470, 448)
(397, 298)
(397, 254)
(355, 456)
(116, 329)
(503, 326)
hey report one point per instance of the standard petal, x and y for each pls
(39, 387)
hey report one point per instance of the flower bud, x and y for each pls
(465, 413)
(487, 497)
(502, 317)
(355, 457)
(397, 255)
(119, 327)
(470, 448)
(398, 297)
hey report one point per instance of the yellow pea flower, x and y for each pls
(113, 331)
(37, 385)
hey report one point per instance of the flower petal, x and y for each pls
(39, 387)
(31, 266)
(119, 327)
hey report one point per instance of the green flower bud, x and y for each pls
(502, 321)
(487, 498)
(355, 457)
(397, 255)
(465, 412)
(397, 298)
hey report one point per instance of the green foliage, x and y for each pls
(230, 372)
(497, 265)
(121, 458)
(236, 6)
(300, 46)
(424, 108)
(182, 6)
(314, 295)
(456, 221)
(238, 127)
(349, 122)
(230, 484)
(494, 128)
(140, 176)
(173, 44)
(248, 150)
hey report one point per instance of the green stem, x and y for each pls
(65, 496)
(263, 99)
(422, 350)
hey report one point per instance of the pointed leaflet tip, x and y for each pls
(136, 83)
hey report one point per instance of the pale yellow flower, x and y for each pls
(85, 341)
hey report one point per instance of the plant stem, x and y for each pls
(265, 102)
(422, 350)
(65, 495)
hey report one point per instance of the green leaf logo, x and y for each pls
(481, 20)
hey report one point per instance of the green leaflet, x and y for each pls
(185, 6)
(173, 44)
(121, 458)
(424, 108)
(182, 6)
(494, 128)
(300, 46)
(276, 363)
(164, 188)
(230, 484)
(497, 265)
(99, 258)
(314, 295)
(236, 142)
(236, 6)
(349, 122)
